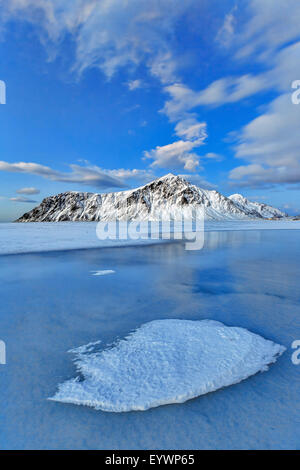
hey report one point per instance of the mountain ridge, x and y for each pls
(265, 210)
(145, 202)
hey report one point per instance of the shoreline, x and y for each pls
(38, 237)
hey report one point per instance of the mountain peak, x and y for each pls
(145, 203)
(264, 210)
(237, 196)
(168, 176)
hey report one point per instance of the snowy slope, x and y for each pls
(166, 361)
(145, 203)
(267, 212)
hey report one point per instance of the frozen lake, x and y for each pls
(52, 302)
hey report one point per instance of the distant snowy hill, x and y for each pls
(146, 202)
(254, 208)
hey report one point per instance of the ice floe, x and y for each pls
(166, 361)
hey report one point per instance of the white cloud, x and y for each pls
(214, 156)
(87, 175)
(272, 137)
(28, 191)
(226, 32)
(134, 84)
(285, 67)
(258, 176)
(198, 180)
(270, 143)
(22, 199)
(225, 90)
(179, 154)
(163, 66)
(108, 34)
(190, 129)
(112, 34)
(282, 66)
(271, 25)
(176, 155)
(123, 174)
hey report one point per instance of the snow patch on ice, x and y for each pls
(166, 361)
(103, 272)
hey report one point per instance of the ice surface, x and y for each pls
(53, 236)
(103, 272)
(166, 361)
(50, 303)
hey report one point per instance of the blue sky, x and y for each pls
(106, 95)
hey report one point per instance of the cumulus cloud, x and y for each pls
(180, 154)
(175, 155)
(28, 191)
(90, 175)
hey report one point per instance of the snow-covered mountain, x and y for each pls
(254, 208)
(146, 202)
